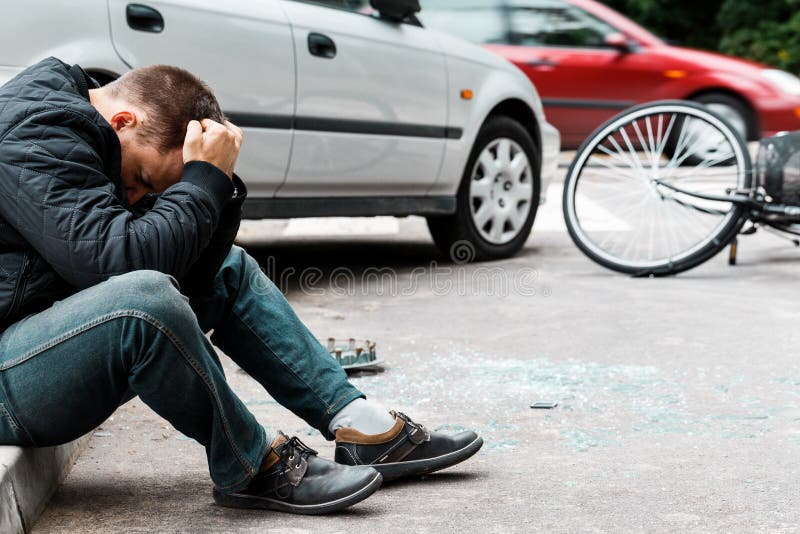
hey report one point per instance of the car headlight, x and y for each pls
(783, 81)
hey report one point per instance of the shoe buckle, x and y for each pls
(419, 435)
(295, 472)
(294, 457)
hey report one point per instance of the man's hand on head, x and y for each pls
(213, 142)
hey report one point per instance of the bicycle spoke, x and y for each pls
(618, 156)
(623, 154)
(623, 171)
(645, 148)
(665, 139)
(651, 142)
(686, 140)
(634, 156)
(619, 210)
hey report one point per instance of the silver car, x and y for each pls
(349, 108)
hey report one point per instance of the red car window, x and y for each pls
(555, 23)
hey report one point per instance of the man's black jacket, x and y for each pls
(64, 220)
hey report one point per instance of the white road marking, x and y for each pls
(594, 218)
(341, 226)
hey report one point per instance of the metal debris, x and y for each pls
(544, 405)
(353, 353)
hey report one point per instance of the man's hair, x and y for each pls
(170, 98)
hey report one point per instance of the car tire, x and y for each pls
(732, 110)
(493, 180)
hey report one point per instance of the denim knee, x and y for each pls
(150, 292)
(241, 261)
(240, 270)
(256, 278)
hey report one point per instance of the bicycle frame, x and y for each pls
(750, 201)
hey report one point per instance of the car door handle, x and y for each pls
(144, 18)
(542, 63)
(321, 46)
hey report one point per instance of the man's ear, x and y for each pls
(123, 119)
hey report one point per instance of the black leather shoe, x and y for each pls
(406, 449)
(300, 482)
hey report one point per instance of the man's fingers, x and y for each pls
(211, 125)
(234, 128)
(193, 140)
(194, 136)
(194, 129)
(238, 135)
(211, 141)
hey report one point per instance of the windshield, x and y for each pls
(517, 22)
(478, 21)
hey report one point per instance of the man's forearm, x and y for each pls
(199, 281)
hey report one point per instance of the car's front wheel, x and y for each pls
(498, 196)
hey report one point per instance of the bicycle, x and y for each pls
(665, 186)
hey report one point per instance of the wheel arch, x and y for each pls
(102, 76)
(753, 124)
(519, 111)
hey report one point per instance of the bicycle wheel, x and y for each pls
(629, 200)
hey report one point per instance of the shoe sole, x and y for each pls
(408, 468)
(239, 500)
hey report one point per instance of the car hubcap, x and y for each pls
(501, 190)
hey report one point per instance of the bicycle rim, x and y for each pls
(618, 205)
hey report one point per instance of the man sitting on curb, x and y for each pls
(118, 210)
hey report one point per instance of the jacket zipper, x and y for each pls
(22, 282)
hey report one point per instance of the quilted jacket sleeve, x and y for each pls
(53, 191)
(199, 281)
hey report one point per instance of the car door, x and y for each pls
(243, 49)
(582, 80)
(371, 103)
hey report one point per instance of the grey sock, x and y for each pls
(366, 416)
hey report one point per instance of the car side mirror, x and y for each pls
(396, 10)
(618, 41)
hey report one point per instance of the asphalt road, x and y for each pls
(678, 399)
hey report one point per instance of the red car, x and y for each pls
(588, 62)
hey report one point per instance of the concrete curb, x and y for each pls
(28, 478)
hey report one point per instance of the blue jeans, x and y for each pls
(64, 370)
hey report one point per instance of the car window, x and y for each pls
(356, 6)
(555, 23)
(479, 21)
(518, 22)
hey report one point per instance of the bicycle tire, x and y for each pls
(731, 216)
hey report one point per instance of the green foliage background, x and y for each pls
(762, 30)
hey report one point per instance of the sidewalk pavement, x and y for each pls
(28, 477)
